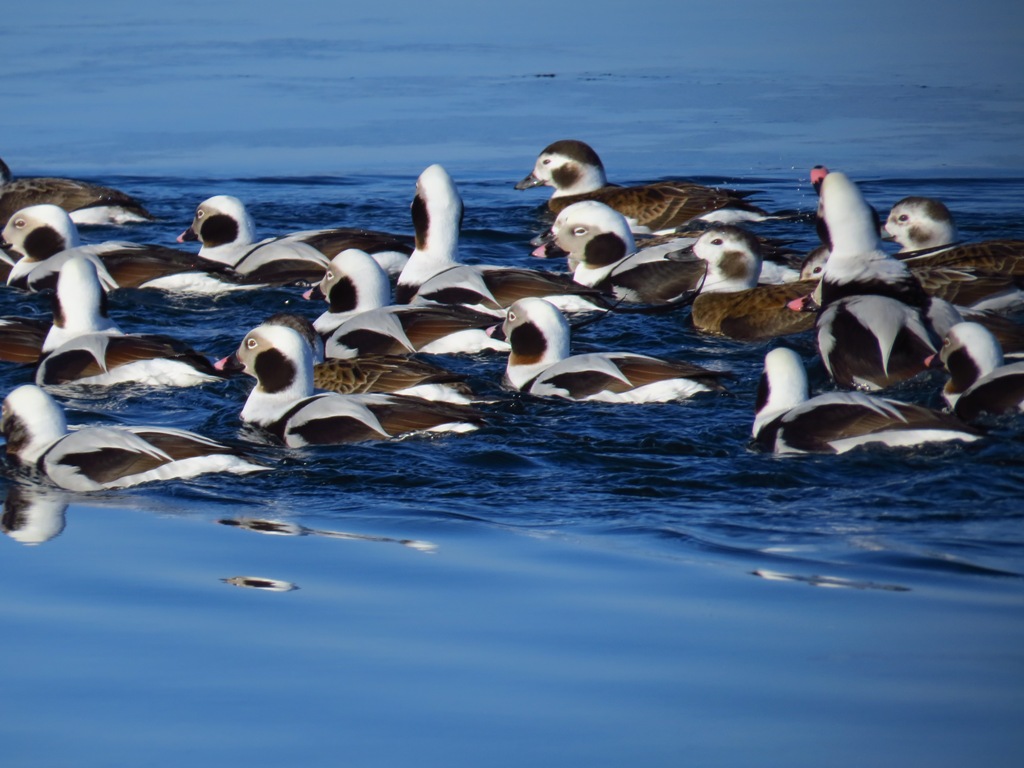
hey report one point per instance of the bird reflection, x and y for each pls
(33, 514)
(261, 582)
(278, 528)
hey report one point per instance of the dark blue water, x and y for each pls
(579, 584)
(592, 592)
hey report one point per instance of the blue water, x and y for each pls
(592, 593)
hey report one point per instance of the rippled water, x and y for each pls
(593, 590)
(575, 584)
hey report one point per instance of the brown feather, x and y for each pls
(754, 314)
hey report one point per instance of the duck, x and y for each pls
(361, 320)
(85, 346)
(102, 458)
(787, 420)
(987, 275)
(44, 237)
(86, 203)
(876, 324)
(603, 255)
(434, 275)
(227, 232)
(575, 172)
(978, 382)
(285, 405)
(397, 374)
(540, 364)
(730, 301)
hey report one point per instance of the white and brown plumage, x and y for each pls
(435, 275)
(604, 256)
(875, 327)
(787, 420)
(100, 458)
(540, 364)
(43, 237)
(398, 374)
(731, 303)
(86, 203)
(987, 275)
(84, 346)
(979, 382)
(284, 403)
(576, 173)
(228, 235)
(361, 320)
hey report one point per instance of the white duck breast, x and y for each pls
(283, 401)
(856, 265)
(84, 346)
(100, 458)
(979, 382)
(46, 238)
(575, 172)
(86, 203)
(836, 422)
(540, 363)
(435, 275)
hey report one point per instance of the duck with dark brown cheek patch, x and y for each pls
(731, 303)
(540, 364)
(284, 404)
(101, 458)
(983, 276)
(43, 238)
(603, 255)
(361, 320)
(789, 421)
(575, 172)
(979, 382)
(434, 274)
(228, 236)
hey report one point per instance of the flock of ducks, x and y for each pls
(352, 374)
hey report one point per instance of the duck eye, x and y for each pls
(329, 275)
(579, 231)
(200, 213)
(547, 161)
(19, 223)
(511, 316)
(717, 241)
(250, 343)
(904, 217)
(816, 270)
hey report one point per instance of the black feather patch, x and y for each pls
(343, 295)
(274, 371)
(605, 249)
(764, 391)
(963, 371)
(332, 430)
(44, 242)
(17, 434)
(218, 229)
(528, 341)
(420, 222)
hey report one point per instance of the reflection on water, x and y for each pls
(33, 514)
(279, 528)
(261, 582)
